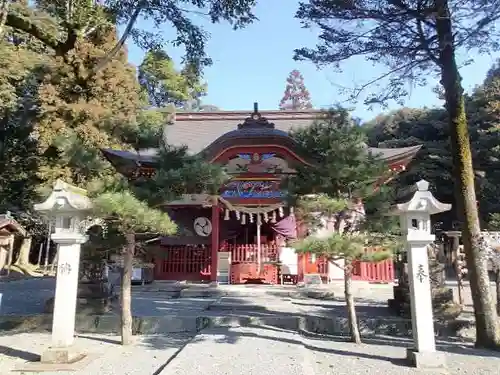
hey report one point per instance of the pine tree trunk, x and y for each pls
(24, 252)
(126, 292)
(351, 309)
(487, 334)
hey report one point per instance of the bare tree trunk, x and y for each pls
(24, 252)
(497, 288)
(4, 9)
(487, 333)
(54, 261)
(40, 253)
(126, 292)
(10, 254)
(351, 309)
(460, 283)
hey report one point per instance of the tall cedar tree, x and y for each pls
(414, 38)
(296, 96)
(20, 54)
(164, 85)
(344, 172)
(71, 125)
(61, 28)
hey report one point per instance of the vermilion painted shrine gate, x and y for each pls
(243, 231)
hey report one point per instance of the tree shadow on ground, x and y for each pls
(17, 353)
(109, 339)
(311, 341)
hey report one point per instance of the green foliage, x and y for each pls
(494, 222)
(132, 214)
(165, 85)
(147, 130)
(61, 28)
(343, 168)
(73, 124)
(179, 173)
(429, 128)
(344, 246)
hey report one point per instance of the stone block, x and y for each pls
(426, 360)
(107, 323)
(166, 324)
(60, 355)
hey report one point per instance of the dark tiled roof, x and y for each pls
(199, 130)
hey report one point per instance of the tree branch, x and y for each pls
(111, 54)
(28, 26)
(4, 10)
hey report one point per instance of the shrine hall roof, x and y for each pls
(198, 130)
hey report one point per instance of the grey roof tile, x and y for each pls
(197, 130)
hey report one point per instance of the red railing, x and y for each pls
(245, 259)
(183, 263)
(248, 253)
(382, 272)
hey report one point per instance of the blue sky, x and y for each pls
(252, 64)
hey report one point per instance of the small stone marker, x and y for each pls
(415, 220)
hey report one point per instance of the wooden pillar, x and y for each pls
(215, 240)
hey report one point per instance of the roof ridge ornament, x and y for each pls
(256, 120)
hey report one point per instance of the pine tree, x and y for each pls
(296, 96)
(129, 215)
(127, 206)
(344, 173)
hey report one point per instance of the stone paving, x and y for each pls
(248, 350)
(385, 356)
(235, 350)
(146, 357)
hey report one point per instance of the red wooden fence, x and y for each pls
(193, 263)
(190, 263)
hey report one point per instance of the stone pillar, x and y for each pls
(63, 323)
(420, 292)
(416, 229)
(215, 241)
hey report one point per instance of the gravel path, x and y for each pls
(236, 351)
(146, 357)
(386, 357)
(249, 351)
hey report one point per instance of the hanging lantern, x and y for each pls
(226, 215)
(266, 217)
(250, 216)
(281, 211)
(243, 219)
(238, 215)
(273, 220)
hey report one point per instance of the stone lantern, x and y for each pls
(69, 206)
(415, 220)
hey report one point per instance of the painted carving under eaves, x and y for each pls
(252, 189)
(268, 162)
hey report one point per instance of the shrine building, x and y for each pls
(240, 235)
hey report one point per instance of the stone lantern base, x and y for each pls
(61, 355)
(426, 360)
